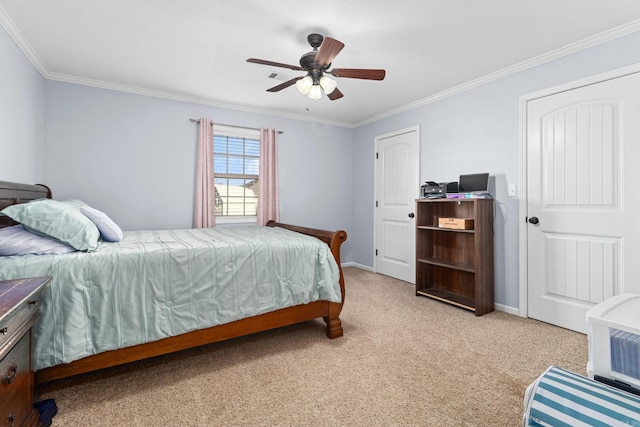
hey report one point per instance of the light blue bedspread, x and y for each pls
(156, 284)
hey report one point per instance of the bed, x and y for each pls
(266, 281)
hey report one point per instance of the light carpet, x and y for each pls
(404, 360)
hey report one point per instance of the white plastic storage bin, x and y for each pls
(614, 339)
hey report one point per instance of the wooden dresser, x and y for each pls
(18, 311)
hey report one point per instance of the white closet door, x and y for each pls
(583, 205)
(397, 188)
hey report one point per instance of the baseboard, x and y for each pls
(355, 264)
(499, 307)
(507, 309)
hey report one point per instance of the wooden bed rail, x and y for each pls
(332, 238)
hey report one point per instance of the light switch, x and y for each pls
(513, 190)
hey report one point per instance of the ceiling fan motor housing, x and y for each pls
(315, 40)
(308, 63)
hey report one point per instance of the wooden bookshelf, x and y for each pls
(456, 266)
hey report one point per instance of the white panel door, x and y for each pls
(583, 207)
(397, 188)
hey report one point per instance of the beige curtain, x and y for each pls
(268, 199)
(204, 215)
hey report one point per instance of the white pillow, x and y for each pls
(109, 230)
(16, 240)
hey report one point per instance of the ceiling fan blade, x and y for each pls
(328, 50)
(336, 94)
(284, 85)
(358, 73)
(274, 64)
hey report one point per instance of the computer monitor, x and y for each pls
(474, 183)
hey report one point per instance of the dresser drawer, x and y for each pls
(19, 317)
(19, 305)
(16, 383)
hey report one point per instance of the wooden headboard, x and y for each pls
(12, 193)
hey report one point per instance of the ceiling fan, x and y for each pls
(316, 63)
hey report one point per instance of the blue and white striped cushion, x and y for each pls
(562, 398)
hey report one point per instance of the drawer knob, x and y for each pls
(11, 418)
(4, 330)
(34, 302)
(11, 375)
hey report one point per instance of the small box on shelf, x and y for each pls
(456, 223)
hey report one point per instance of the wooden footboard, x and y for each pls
(12, 193)
(332, 238)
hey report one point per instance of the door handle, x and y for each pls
(411, 215)
(534, 220)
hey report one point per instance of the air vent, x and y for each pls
(280, 77)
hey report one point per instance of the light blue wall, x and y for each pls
(478, 131)
(21, 115)
(133, 156)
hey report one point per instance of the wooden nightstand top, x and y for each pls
(14, 292)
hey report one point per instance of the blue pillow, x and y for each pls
(75, 203)
(58, 220)
(16, 240)
(109, 230)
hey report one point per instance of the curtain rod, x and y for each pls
(233, 126)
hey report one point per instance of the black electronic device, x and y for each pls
(450, 187)
(474, 183)
(432, 190)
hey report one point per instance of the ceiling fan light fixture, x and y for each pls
(316, 63)
(304, 85)
(315, 92)
(328, 85)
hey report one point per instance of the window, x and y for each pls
(236, 158)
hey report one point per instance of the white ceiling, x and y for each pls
(196, 50)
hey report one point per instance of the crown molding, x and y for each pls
(592, 41)
(183, 98)
(7, 23)
(18, 38)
